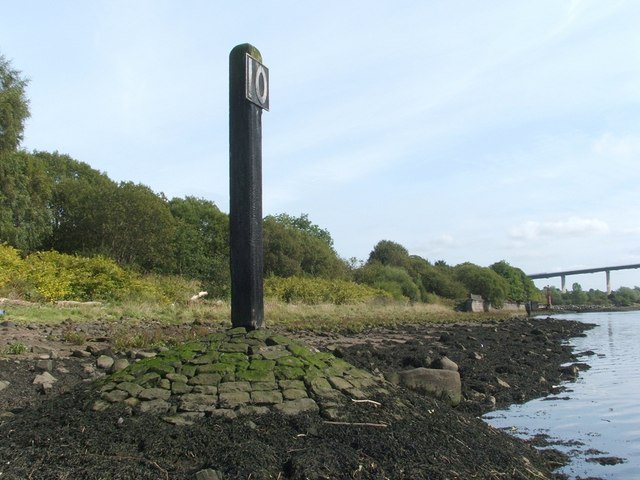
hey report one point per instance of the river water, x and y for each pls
(598, 415)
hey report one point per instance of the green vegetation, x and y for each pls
(16, 348)
(623, 297)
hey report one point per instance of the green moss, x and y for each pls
(259, 364)
(288, 373)
(150, 378)
(290, 361)
(278, 340)
(221, 368)
(255, 376)
(233, 357)
(259, 334)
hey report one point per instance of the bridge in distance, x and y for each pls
(563, 275)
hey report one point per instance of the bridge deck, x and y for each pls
(585, 270)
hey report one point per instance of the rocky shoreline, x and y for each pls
(222, 406)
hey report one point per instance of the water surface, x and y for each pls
(597, 416)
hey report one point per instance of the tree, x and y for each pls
(483, 281)
(293, 251)
(521, 287)
(202, 243)
(578, 296)
(391, 254)
(305, 225)
(141, 229)
(25, 194)
(14, 106)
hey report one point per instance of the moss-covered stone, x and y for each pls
(236, 331)
(177, 377)
(188, 370)
(178, 388)
(255, 376)
(278, 340)
(133, 389)
(259, 334)
(233, 358)
(260, 364)
(290, 361)
(209, 357)
(288, 373)
(216, 368)
(148, 379)
(205, 379)
(231, 347)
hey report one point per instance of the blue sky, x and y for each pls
(463, 130)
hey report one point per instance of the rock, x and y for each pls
(208, 474)
(445, 363)
(154, 394)
(115, 396)
(45, 380)
(119, 365)
(442, 384)
(44, 365)
(295, 407)
(184, 419)
(3, 384)
(265, 397)
(81, 354)
(104, 362)
(155, 407)
(198, 402)
(233, 399)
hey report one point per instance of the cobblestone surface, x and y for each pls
(237, 373)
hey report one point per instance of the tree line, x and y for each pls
(52, 202)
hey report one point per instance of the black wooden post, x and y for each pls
(248, 96)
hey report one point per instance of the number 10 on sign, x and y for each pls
(257, 83)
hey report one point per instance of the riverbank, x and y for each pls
(398, 434)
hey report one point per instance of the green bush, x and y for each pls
(394, 280)
(315, 291)
(11, 264)
(52, 276)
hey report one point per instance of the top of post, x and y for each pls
(239, 51)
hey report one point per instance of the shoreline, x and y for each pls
(500, 363)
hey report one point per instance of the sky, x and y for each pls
(462, 130)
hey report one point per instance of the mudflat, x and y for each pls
(54, 430)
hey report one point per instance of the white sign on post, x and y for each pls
(257, 83)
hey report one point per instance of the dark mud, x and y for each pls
(57, 436)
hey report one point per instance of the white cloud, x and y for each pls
(611, 145)
(572, 226)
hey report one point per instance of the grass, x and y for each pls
(134, 319)
(16, 348)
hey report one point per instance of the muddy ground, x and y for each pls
(56, 435)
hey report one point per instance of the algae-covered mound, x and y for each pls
(238, 372)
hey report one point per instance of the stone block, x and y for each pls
(233, 399)
(154, 394)
(231, 387)
(295, 407)
(133, 389)
(154, 407)
(265, 397)
(442, 384)
(205, 379)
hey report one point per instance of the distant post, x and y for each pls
(248, 96)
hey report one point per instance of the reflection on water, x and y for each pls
(598, 416)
